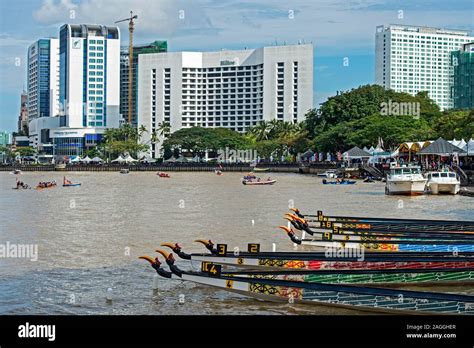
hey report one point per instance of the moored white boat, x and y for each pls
(328, 174)
(405, 180)
(443, 182)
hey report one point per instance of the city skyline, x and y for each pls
(343, 57)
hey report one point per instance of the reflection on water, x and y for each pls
(89, 237)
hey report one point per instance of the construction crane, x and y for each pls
(130, 62)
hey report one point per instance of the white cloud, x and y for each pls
(160, 17)
(9, 41)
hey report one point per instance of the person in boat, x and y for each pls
(66, 181)
(324, 181)
(258, 180)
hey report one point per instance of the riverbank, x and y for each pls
(302, 168)
(174, 167)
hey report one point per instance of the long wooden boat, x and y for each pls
(338, 260)
(392, 238)
(389, 277)
(257, 183)
(257, 170)
(382, 244)
(49, 185)
(380, 227)
(418, 223)
(340, 295)
(345, 182)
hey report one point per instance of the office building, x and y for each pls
(154, 47)
(463, 77)
(23, 116)
(5, 138)
(229, 89)
(412, 59)
(43, 78)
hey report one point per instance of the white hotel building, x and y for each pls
(412, 59)
(229, 89)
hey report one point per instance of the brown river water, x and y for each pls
(89, 237)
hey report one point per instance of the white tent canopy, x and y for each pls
(130, 159)
(469, 147)
(86, 159)
(148, 159)
(459, 143)
(76, 159)
(97, 160)
(119, 159)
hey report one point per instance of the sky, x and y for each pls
(340, 30)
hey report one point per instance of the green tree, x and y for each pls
(359, 117)
(457, 124)
(25, 151)
(362, 102)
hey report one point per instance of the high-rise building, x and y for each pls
(412, 59)
(229, 89)
(43, 78)
(89, 87)
(23, 117)
(154, 47)
(5, 138)
(463, 77)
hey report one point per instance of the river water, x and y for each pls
(89, 237)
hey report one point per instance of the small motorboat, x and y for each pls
(342, 182)
(444, 181)
(163, 175)
(218, 172)
(405, 180)
(328, 174)
(69, 183)
(256, 182)
(16, 172)
(124, 171)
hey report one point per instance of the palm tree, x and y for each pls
(154, 137)
(142, 129)
(261, 130)
(164, 128)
